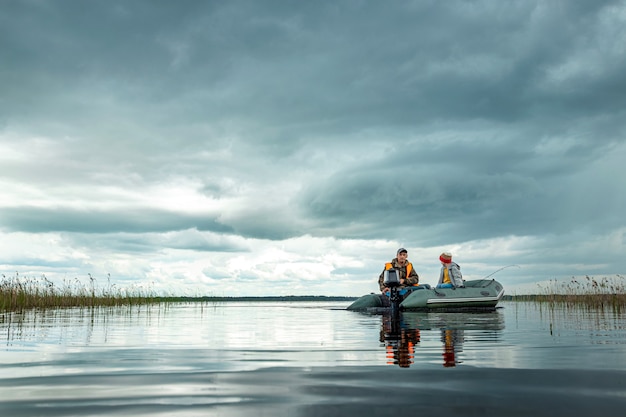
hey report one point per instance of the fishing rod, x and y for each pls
(504, 267)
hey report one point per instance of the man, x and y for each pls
(408, 276)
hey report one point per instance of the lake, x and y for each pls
(311, 359)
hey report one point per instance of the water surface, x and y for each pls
(310, 358)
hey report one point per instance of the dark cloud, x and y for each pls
(154, 242)
(424, 122)
(145, 220)
(466, 191)
(351, 64)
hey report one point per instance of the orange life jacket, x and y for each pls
(409, 268)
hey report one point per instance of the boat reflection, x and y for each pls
(402, 333)
(400, 340)
(452, 343)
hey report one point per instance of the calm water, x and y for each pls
(309, 359)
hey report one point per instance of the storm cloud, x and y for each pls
(303, 143)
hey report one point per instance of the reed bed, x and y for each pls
(598, 294)
(20, 293)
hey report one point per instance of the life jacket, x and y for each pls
(409, 268)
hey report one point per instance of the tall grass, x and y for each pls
(19, 293)
(588, 292)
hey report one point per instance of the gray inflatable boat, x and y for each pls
(481, 294)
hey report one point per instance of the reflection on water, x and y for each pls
(400, 340)
(86, 326)
(452, 343)
(323, 334)
(314, 358)
(401, 333)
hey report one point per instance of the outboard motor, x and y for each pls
(391, 279)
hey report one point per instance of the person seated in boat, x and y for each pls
(450, 275)
(407, 274)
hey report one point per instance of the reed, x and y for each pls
(20, 293)
(589, 292)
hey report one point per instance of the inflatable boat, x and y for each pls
(480, 294)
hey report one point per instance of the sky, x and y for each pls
(290, 148)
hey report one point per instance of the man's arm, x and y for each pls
(381, 279)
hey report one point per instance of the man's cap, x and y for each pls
(401, 250)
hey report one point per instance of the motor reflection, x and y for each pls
(402, 333)
(400, 340)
